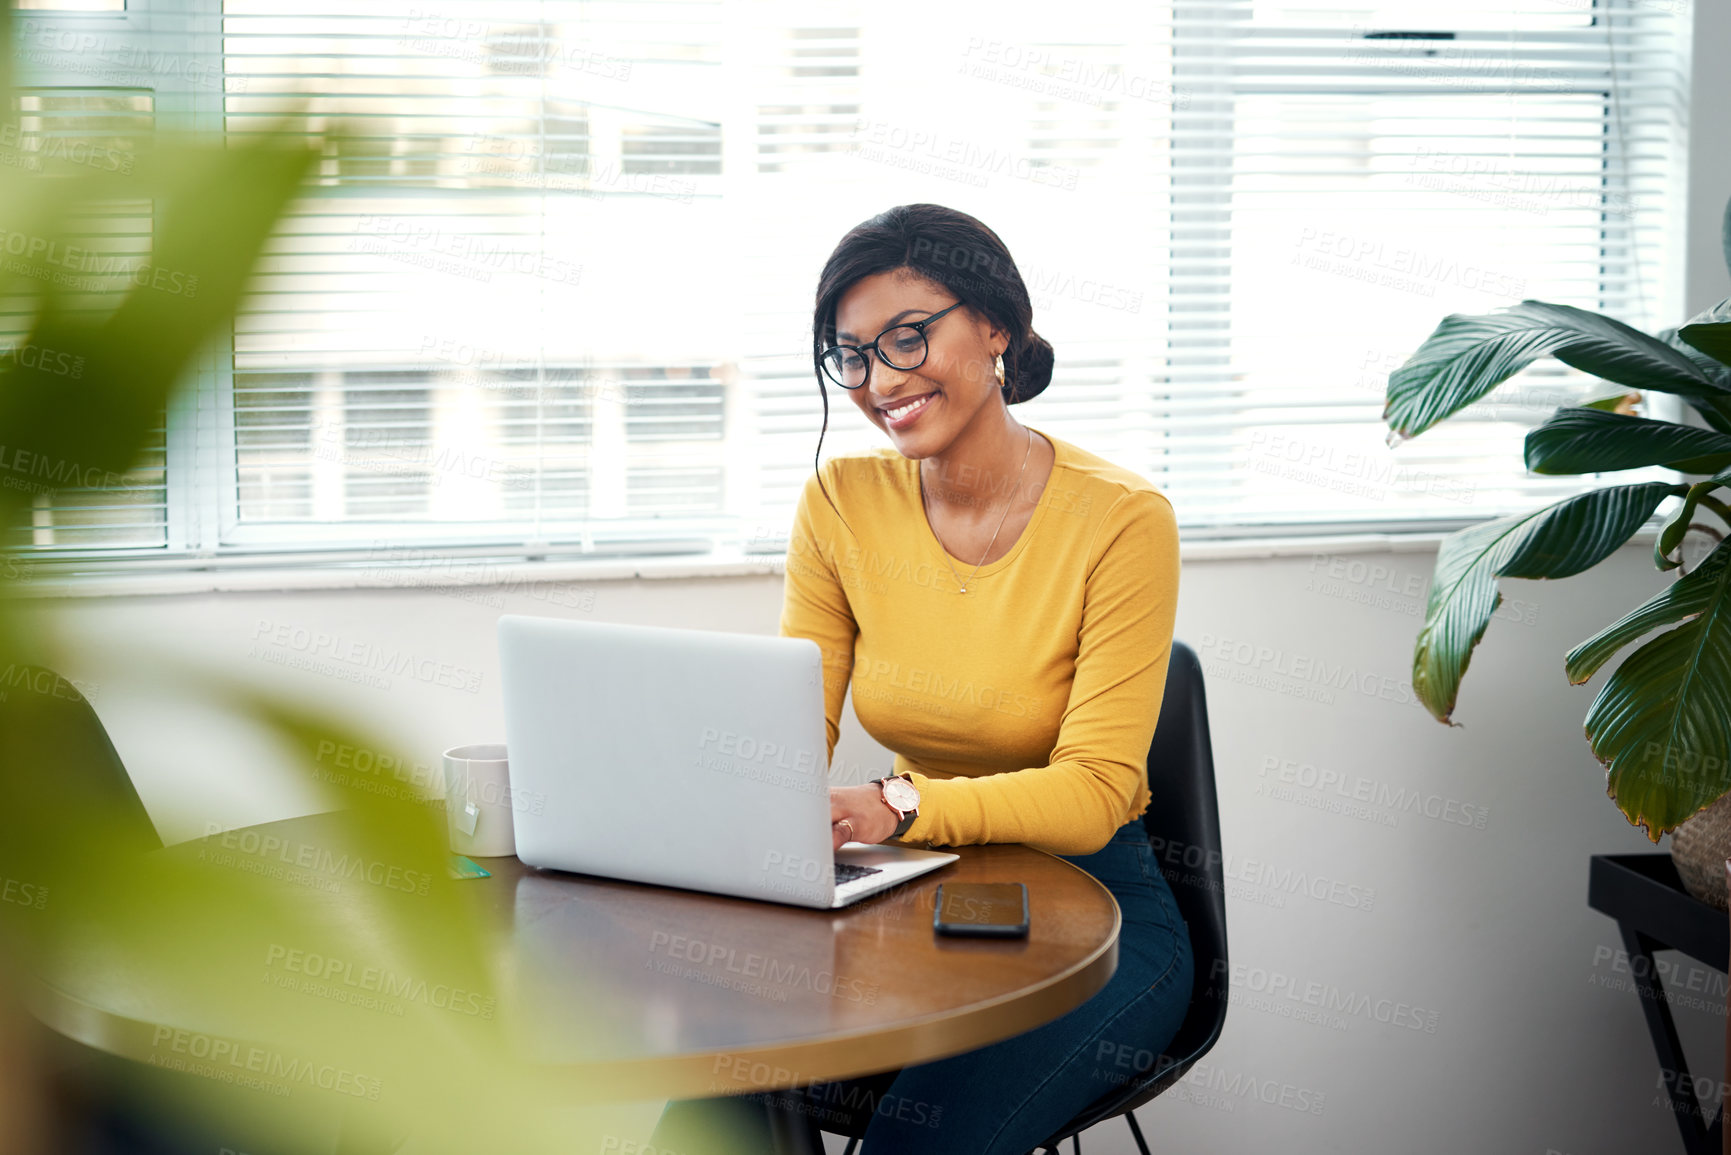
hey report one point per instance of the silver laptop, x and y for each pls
(685, 758)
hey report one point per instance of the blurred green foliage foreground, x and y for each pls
(201, 984)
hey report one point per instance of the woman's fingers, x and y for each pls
(854, 817)
(838, 810)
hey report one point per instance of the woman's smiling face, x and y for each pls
(949, 389)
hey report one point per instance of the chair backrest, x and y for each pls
(1183, 824)
(49, 730)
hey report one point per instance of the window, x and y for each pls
(77, 506)
(551, 289)
(1339, 186)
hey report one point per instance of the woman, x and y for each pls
(1002, 602)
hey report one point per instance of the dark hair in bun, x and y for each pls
(949, 248)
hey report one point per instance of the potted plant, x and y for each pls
(1662, 722)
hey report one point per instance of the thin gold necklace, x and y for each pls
(962, 587)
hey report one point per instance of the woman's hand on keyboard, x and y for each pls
(864, 808)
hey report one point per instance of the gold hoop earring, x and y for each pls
(1000, 370)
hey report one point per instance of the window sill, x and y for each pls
(206, 577)
(536, 575)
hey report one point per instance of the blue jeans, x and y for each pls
(1010, 1096)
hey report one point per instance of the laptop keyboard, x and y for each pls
(846, 872)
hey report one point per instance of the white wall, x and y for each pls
(1535, 1046)
(1705, 282)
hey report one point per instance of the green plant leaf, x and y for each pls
(1587, 440)
(1557, 541)
(1662, 722)
(1671, 535)
(1715, 409)
(1680, 599)
(1710, 332)
(1468, 356)
(193, 935)
(1708, 364)
(1725, 235)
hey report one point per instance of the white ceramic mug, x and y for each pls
(478, 801)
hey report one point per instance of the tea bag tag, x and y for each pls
(467, 817)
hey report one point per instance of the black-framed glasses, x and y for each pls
(849, 367)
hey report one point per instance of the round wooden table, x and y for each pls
(703, 995)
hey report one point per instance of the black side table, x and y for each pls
(1653, 912)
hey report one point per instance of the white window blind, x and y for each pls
(77, 504)
(1339, 185)
(552, 289)
(463, 333)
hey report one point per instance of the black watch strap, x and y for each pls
(908, 818)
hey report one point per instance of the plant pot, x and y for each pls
(1700, 847)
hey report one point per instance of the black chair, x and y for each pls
(1183, 823)
(62, 776)
(50, 732)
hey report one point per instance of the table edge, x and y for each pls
(784, 1064)
(864, 1052)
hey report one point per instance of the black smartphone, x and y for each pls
(981, 909)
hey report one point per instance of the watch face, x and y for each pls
(900, 793)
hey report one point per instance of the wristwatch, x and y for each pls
(902, 796)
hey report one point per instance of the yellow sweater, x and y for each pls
(1022, 709)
